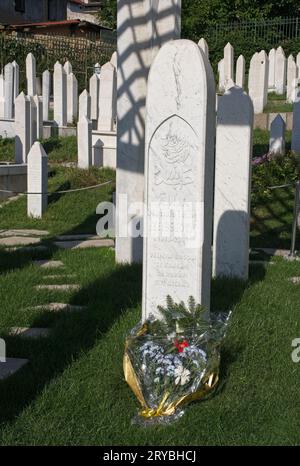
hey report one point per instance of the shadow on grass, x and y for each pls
(73, 334)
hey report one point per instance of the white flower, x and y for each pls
(182, 375)
(144, 367)
(156, 380)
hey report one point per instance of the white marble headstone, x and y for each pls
(221, 75)
(60, 95)
(277, 136)
(232, 184)
(204, 47)
(296, 125)
(9, 90)
(107, 98)
(46, 94)
(228, 63)
(240, 71)
(143, 27)
(84, 142)
(31, 74)
(271, 78)
(292, 79)
(84, 105)
(37, 181)
(94, 93)
(180, 132)
(72, 97)
(22, 128)
(280, 71)
(258, 81)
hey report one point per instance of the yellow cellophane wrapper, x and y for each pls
(165, 408)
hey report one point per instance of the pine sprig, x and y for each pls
(178, 317)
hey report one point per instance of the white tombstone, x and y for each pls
(180, 132)
(84, 141)
(97, 69)
(298, 62)
(240, 71)
(68, 67)
(46, 94)
(142, 30)
(94, 93)
(277, 136)
(97, 154)
(22, 128)
(37, 181)
(9, 91)
(31, 74)
(271, 79)
(33, 120)
(38, 101)
(114, 59)
(84, 105)
(60, 95)
(280, 71)
(204, 47)
(296, 126)
(16, 84)
(258, 81)
(2, 97)
(292, 79)
(72, 98)
(232, 185)
(107, 98)
(228, 62)
(221, 75)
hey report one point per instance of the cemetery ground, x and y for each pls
(73, 392)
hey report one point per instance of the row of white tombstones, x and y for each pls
(98, 105)
(267, 73)
(102, 87)
(186, 146)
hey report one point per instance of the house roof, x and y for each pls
(67, 22)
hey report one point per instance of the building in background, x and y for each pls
(83, 9)
(29, 11)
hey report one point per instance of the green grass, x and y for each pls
(278, 107)
(73, 391)
(261, 141)
(66, 213)
(58, 149)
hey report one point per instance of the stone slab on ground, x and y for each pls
(100, 243)
(295, 280)
(23, 232)
(49, 264)
(11, 366)
(27, 332)
(58, 287)
(57, 277)
(19, 241)
(10, 199)
(57, 307)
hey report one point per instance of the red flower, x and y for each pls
(180, 346)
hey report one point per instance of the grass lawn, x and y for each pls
(73, 391)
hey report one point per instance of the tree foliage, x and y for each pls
(198, 15)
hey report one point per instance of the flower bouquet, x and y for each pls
(172, 361)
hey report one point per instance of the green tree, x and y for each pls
(107, 14)
(198, 15)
